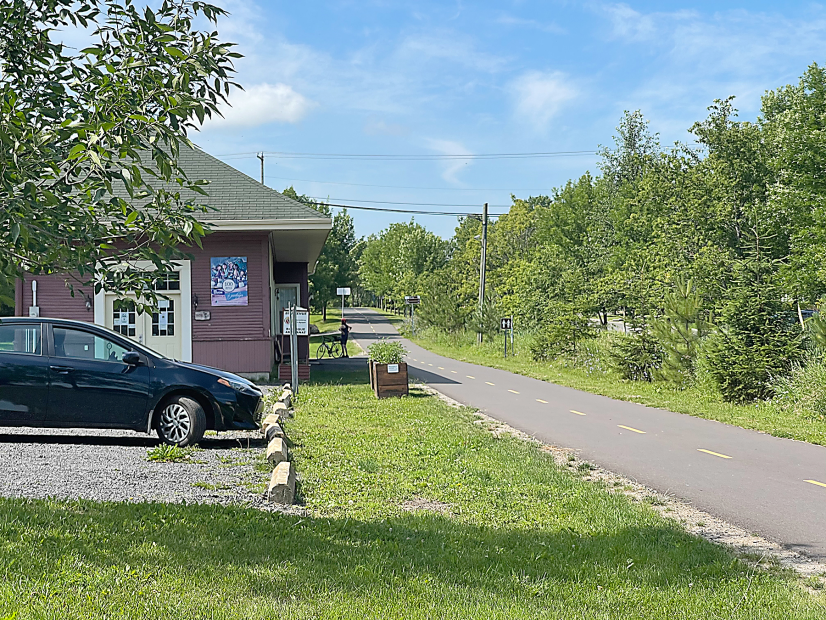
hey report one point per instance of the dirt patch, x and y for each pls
(421, 504)
(755, 550)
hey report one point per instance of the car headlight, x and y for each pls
(235, 385)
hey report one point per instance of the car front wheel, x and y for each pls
(182, 422)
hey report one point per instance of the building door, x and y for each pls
(286, 295)
(159, 330)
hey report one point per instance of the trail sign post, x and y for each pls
(506, 325)
(343, 291)
(412, 301)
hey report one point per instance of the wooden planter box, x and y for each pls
(385, 383)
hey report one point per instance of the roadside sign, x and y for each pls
(412, 300)
(343, 290)
(302, 323)
(506, 323)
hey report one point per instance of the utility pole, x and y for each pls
(261, 157)
(482, 268)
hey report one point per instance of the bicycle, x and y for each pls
(329, 346)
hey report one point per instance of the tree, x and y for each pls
(760, 340)
(89, 182)
(393, 261)
(337, 264)
(680, 332)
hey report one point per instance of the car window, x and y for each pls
(81, 344)
(20, 339)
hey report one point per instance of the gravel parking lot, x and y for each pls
(113, 466)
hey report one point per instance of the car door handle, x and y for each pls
(63, 370)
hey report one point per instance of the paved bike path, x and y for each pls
(769, 486)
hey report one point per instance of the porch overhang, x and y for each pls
(292, 241)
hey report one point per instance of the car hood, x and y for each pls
(217, 373)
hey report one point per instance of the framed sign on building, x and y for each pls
(228, 285)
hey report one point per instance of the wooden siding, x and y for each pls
(236, 338)
(234, 355)
(54, 298)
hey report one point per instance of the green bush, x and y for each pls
(803, 392)
(637, 356)
(761, 340)
(561, 336)
(386, 352)
(680, 331)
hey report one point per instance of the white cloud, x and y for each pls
(539, 96)
(262, 104)
(452, 167)
(519, 22)
(628, 23)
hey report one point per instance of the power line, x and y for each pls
(415, 211)
(444, 189)
(415, 204)
(407, 157)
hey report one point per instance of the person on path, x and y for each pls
(345, 334)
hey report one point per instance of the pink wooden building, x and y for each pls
(224, 307)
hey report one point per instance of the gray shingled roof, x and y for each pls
(234, 195)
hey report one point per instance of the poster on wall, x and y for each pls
(229, 280)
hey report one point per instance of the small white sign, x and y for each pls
(343, 291)
(34, 310)
(124, 318)
(202, 315)
(163, 304)
(163, 320)
(302, 321)
(392, 368)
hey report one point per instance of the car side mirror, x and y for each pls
(132, 358)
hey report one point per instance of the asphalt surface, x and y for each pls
(772, 487)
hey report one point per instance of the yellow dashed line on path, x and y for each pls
(513, 391)
(440, 368)
(577, 412)
(430, 364)
(469, 377)
(539, 400)
(454, 372)
(722, 456)
(634, 430)
(820, 484)
(489, 383)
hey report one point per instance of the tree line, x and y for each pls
(719, 241)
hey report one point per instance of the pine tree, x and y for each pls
(680, 331)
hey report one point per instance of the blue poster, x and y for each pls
(229, 280)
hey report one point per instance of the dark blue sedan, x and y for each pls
(61, 373)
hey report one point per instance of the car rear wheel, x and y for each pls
(182, 422)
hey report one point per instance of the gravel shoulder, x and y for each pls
(104, 465)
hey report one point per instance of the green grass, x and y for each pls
(591, 374)
(353, 347)
(333, 319)
(518, 538)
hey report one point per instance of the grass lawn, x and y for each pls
(702, 401)
(512, 536)
(353, 347)
(333, 319)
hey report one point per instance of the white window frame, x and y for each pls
(184, 267)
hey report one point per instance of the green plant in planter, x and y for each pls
(386, 352)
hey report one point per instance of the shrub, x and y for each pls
(803, 392)
(680, 331)
(760, 342)
(561, 336)
(386, 352)
(637, 357)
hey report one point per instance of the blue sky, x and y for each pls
(429, 78)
